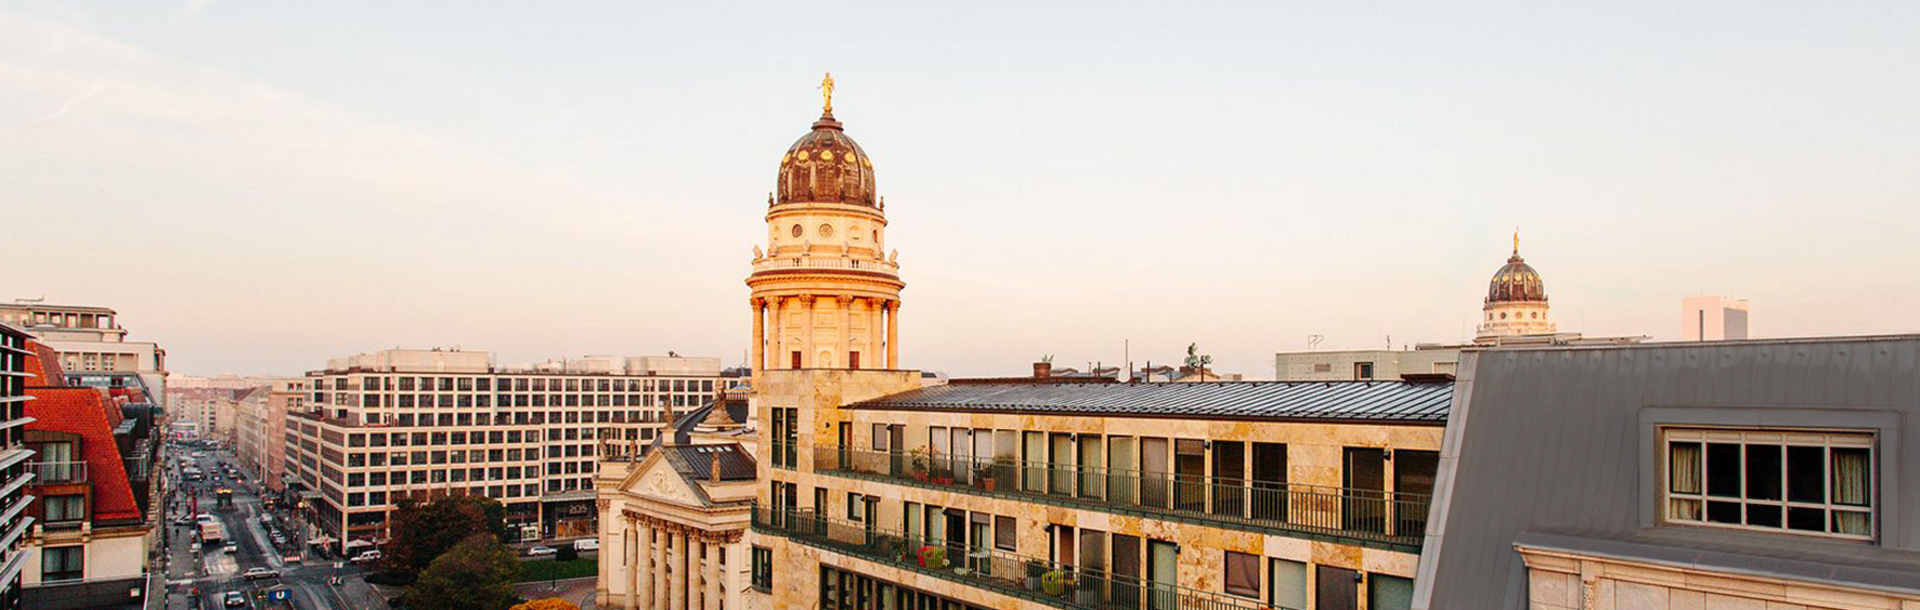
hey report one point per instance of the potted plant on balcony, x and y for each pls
(1056, 583)
(933, 557)
(1035, 569)
(920, 463)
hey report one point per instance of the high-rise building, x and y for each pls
(1713, 318)
(415, 424)
(14, 521)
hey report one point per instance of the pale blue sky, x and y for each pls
(261, 186)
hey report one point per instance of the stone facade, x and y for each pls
(1568, 581)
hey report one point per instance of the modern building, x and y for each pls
(91, 340)
(399, 424)
(1734, 474)
(96, 510)
(1713, 318)
(15, 373)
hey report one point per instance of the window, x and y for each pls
(1006, 533)
(65, 508)
(1243, 574)
(1791, 481)
(62, 563)
(763, 568)
(1389, 592)
(855, 507)
(1363, 370)
(1289, 583)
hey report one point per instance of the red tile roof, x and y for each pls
(83, 411)
(44, 364)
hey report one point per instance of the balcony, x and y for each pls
(1028, 578)
(1379, 519)
(826, 262)
(58, 473)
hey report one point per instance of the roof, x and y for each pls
(1561, 439)
(1374, 401)
(44, 364)
(82, 411)
(696, 461)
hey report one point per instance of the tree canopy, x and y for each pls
(421, 532)
(476, 574)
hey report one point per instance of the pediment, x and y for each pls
(655, 479)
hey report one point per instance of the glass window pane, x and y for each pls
(1683, 468)
(1723, 512)
(1289, 584)
(1850, 481)
(1723, 471)
(1389, 592)
(1806, 475)
(1763, 515)
(1763, 472)
(1807, 519)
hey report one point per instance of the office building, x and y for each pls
(91, 340)
(15, 373)
(398, 424)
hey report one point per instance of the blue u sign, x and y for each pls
(280, 595)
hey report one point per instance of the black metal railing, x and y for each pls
(992, 569)
(58, 473)
(1360, 514)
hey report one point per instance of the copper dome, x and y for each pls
(1516, 282)
(826, 166)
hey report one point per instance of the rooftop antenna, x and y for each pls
(1314, 341)
(38, 299)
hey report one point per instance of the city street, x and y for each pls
(201, 577)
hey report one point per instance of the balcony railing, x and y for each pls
(58, 473)
(1395, 520)
(826, 262)
(995, 570)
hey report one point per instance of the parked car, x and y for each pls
(259, 573)
(540, 551)
(233, 599)
(587, 544)
(184, 520)
(205, 518)
(367, 557)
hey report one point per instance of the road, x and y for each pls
(199, 578)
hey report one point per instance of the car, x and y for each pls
(540, 551)
(587, 544)
(233, 599)
(184, 520)
(205, 518)
(259, 573)
(230, 548)
(367, 557)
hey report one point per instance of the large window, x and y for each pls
(1243, 574)
(62, 563)
(1792, 481)
(64, 508)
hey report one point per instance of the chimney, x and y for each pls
(713, 466)
(1042, 370)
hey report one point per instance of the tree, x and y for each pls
(550, 603)
(421, 532)
(476, 574)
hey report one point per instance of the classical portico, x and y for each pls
(674, 529)
(826, 294)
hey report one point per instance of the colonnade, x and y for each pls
(774, 308)
(669, 566)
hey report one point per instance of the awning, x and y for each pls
(357, 543)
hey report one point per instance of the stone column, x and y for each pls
(846, 329)
(696, 585)
(714, 589)
(659, 569)
(875, 357)
(639, 592)
(737, 556)
(677, 582)
(776, 340)
(893, 334)
(806, 330)
(759, 361)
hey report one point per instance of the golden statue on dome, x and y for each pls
(826, 92)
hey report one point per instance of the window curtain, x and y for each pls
(1684, 468)
(1850, 488)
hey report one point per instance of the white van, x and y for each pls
(586, 544)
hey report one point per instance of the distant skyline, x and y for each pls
(262, 187)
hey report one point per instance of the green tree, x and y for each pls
(421, 532)
(476, 574)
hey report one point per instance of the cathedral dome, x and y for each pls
(826, 166)
(1516, 282)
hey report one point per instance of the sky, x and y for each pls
(262, 186)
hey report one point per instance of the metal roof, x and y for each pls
(1546, 441)
(1383, 401)
(696, 461)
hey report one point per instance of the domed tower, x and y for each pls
(825, 294)
(1516, 301)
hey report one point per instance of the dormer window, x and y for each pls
(1803, 482)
